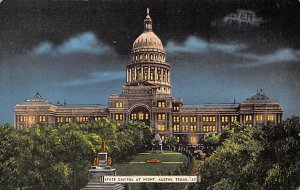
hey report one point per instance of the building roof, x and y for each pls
(148, 39)
(259, 98)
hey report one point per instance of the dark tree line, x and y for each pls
(254, 158)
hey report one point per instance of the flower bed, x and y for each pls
(153, 160)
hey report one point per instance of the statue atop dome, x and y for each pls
(148, 22)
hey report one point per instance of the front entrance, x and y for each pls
(140, 114)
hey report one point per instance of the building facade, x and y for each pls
(147, 97)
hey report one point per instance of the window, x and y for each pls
(152, 75)
(211, 128)
(68, 119)
(193, 119)
(178, 139)
(184, 119)
(141, 116)
(82, 119)
(98, 118)
(161, 116)
(161, 104)
(209, 118)
(163, 138)
(248, 117)
(193, 128)
(176, 119)
(184, 128)
(31, 119)
(175, 128)
(60, 119)
(133, 116)
(119, 116)
(175, 108)
(119, 104)
(259, 117)
(193, 139)
(224, 119)
(22, 118)
(233, 118)
(270, 117)
(42, 118)
(151, 56)
(146, 56)
(161, 127)
(141, 56)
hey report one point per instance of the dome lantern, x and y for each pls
(148, 22)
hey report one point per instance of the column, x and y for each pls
(149, 73)
(135, 77)
(142, 74)
(155, 74)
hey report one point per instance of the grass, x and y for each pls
(138, 167)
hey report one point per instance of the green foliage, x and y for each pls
(255, 158)
(47, 157)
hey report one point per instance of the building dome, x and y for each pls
(147, 40)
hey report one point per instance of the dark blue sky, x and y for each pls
(77, 50)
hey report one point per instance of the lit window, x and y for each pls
(97, 118)
(184, 119)
(31, 119)
(22, 118)
(224, 119)
(193, 119)
(176, 128)
(119, 104)
(178, 139)
(175, 119)
(270, 117)
(248, 118)
(209, 128)
(161, 116)
(223, 127)
(42, 118)
(119, 116)
(68, 119)
(184, 128)
(161, 127)
(259, 117)
(233, 118)
(163, 138)
(141, 116)
(146, 116)
(193, 139)
(193, 128)
(60, 119)
(175, 108)
(133, 116)
(161, 104)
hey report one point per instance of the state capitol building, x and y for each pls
(147, 97)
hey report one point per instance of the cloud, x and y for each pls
(96, 77)
(197, 45)
(83, 43)
(221, 51)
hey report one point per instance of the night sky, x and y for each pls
(219, 50)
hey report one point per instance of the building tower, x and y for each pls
(148, 60)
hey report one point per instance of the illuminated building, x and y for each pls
(147, 97)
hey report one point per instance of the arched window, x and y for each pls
(151, 56)
(146, 56)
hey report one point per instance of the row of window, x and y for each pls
(260, 117)
(146, 57)
(193, 119)
(139, 116)
(192, 128)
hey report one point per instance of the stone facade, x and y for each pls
(147, 97)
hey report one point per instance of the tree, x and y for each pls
(255, 158)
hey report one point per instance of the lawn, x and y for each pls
(169, 162)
